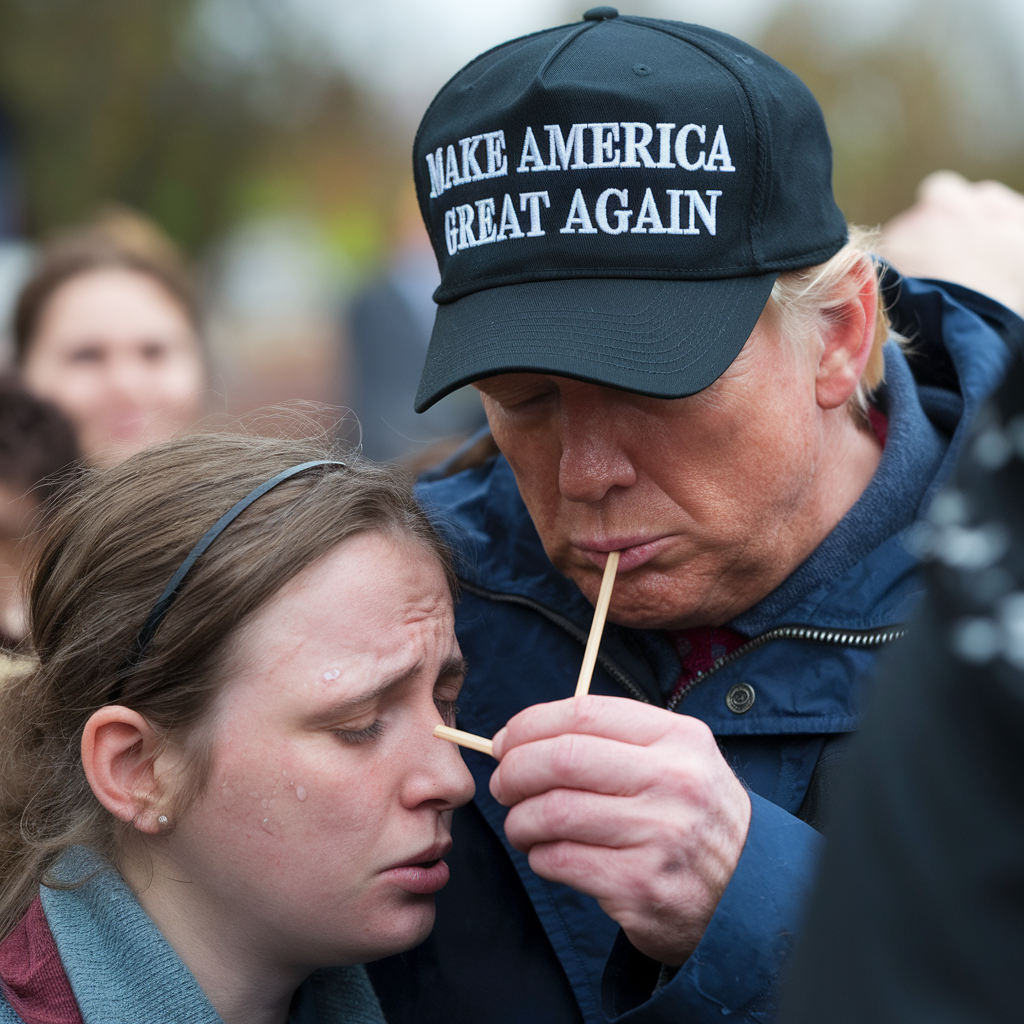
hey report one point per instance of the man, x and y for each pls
(680, 352)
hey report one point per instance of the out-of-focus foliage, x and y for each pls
(940, 88)
(117, 100)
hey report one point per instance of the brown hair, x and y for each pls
(37, 443)
(117, 239)
(110, 550)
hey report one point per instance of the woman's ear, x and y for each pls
(119, 752)
(848, 334)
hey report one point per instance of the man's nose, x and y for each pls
(593, 459)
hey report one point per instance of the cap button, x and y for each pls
(600, 14)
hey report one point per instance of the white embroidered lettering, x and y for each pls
(497, 162)
(509, 226)
(706, 215)
(578, 214)
(451, 174)
(682, 158)
(606, 134)
(531, 155)
(719, 151)
(451, 232)
(621, 216)
(632, 147)
(466, 237)
(665, 133)
(435, 166)
(649, 215)
(485, 229)
(534, 199)
(471, 170)
(673, 211)
(560, 149)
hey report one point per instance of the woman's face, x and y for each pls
(320, 835)
(116, 353)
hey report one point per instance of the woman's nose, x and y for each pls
(440, 776)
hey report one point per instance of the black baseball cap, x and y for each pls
(613, 201)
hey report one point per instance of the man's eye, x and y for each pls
(371, 732)
(447, 709)
(528, 402)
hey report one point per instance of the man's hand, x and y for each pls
(629, 803)
(970, 233)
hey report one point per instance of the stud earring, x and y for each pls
(162, 821)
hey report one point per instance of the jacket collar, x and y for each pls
(957, 356)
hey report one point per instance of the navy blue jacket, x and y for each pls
(512, 947)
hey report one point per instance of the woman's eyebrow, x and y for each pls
(457, 666)
(451, 667)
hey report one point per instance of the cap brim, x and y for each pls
(666, 339)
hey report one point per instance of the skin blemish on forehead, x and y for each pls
(331, 674)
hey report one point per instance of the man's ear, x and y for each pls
(119, 752)
(847, 333)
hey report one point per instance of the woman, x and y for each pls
(222, 768)
(106, 328)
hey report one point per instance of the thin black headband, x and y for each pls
(167, 598)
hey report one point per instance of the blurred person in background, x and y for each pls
(389, 325)
(107, 329)
(36, 444)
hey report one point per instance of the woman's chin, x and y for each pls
(409, 927)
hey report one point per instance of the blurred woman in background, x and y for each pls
(107, 329)
(219, 788)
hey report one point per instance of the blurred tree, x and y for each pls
(128, 101)
(936, 88)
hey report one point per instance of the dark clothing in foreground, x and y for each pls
(515, 949)
(919, 912)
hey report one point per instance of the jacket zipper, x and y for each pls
(863, 638)
(570, 627)
(812, 634)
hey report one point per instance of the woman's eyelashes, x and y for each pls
(447, 709)
(370, 732)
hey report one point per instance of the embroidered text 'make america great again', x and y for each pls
(601, 144)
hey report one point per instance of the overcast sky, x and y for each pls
(404, 50)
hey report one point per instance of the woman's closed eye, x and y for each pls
(364, 735)
(447, 709)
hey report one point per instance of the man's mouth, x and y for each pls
(635, 550)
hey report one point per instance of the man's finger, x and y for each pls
(616, 718)
(586, 762)
(593, 819)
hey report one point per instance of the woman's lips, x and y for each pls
(425, 873)
(634, 551)
(421, 879)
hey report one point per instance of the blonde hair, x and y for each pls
(800, 297)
